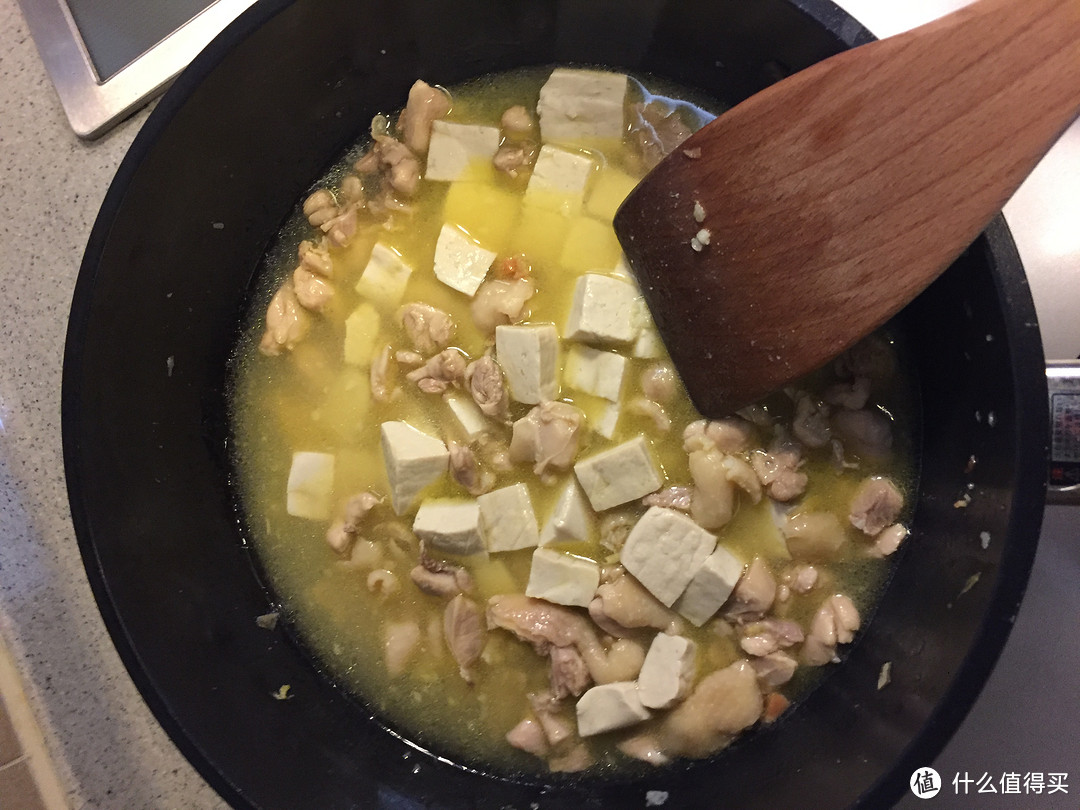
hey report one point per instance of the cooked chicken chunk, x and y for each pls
(876, 504)
(429, 329)
(425, 104)
(400, 640)
(778, 470)
(547, 437)
(713, 501)
(754, 593)
(811, 422)
(659, 383)
(464, 633)
(287, 322)
(866, 433)
(834, 623)
(500, 301)
(484, 379)
(725, 435)
(466, 470)
(625, 604)
(440, 372)
(722, 704)
(813, 536)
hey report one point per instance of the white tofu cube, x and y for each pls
(595, 371)
(310, 488)
(529, 357)
(460, 263)
(361, 334)
(710, 587)
(668, 671)
(507, 520)
(450, 525)
(385, 278)
(608, 707)
(564, 579)
(618, 475)
(664, 550)
(413, 460)
(571, 519)
(582, 104)
(648, 345)
(468, 414)
(455, 146)
(559, 180)
(604, 311)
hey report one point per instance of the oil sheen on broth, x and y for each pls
(450, 395)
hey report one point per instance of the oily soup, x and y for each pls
(475, 483)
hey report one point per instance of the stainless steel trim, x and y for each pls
(94, 106)
(1063, 382)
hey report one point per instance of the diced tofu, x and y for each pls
(485, 211)
(710, 587)
(361, 334)
(590, 245)
(608, 707)
(540, 235)
(460, 263)
(668, 671)
(665, 550)
(385, 278)
(648, 345)
(582, 104)
(454, 147)
(413, 460)
(559, 179)
(310, 489)
(595, 371)
(507, 519)
(609, 190)
(450, 525)
(468, 414)
(529, 357)
(618, 475)
(606, 419)
(564, 579)
(571, 519)
(604, 311)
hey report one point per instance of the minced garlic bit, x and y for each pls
(282, 693)
(704, 236)
(693, 153)
(885, 676)
(267, 621)
(699, 212)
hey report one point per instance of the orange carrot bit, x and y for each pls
(513, 267)
(775, 704)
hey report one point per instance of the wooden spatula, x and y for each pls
(828, 201)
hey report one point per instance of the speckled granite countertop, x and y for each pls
(108, 748)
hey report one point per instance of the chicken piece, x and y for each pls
(876, 504)
(344, 532)
(287, 323)
(464, 633)
(515, 158)
(528, 736)
(429, 329)
(628, 604)
(888, 540)
(569, 674)
(440, 372)
(551, 715)
(364, 555)
(813, 536)
(774, 670)
(754, 593)
(484, 379)
(517, 122)
(440, 578)
(383, 583)
(725, 435)
(381, 374)
(320, 207)
(425, 104)
(712, 503)
(645, 747)
(315, 259)
(742, 475)
(407, 357)
(850, 395)
(778, 471)
(615, 527)
(811, 422)
(403, 165)
(724, 703)
(834, 623)
(650, 410)
(547, 437)
(769, 635)
(866, 433)
(500, 301)
(655, 132)
(659, 383)
(341, 229)
(800, 578)
(466, 470)
(312, 291)
(400, 640)
(576, 759)
(670, 498)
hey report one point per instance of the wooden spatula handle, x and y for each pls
(905, 149)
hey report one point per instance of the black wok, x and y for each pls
(166, 278)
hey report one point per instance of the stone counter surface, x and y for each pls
(107, 747)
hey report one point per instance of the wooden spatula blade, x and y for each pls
(830, 200)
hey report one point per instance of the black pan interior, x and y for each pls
(165, 281)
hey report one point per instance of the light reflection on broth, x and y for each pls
(298, 395)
